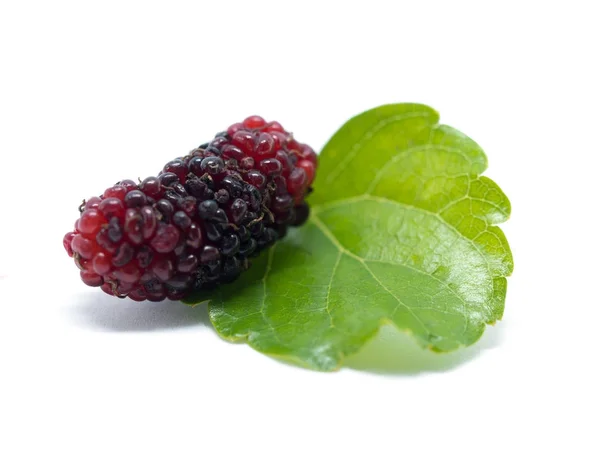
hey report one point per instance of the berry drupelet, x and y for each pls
(195, 225)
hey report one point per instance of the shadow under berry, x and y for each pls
(100, 311)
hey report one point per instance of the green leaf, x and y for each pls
(401, 231)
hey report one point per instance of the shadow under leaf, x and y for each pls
(393, 352)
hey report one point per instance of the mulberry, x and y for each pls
(196, 224)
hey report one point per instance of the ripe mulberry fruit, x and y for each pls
(198, 222)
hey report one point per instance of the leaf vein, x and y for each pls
(365, 138)
(402, 154)
(357, 199)
(400, 302)
(327, 232)
(264, 281)
(328, 298)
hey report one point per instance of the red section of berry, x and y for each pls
(67, 242)
(90, 222)
(197, 223)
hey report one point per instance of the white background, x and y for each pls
(94, 92)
